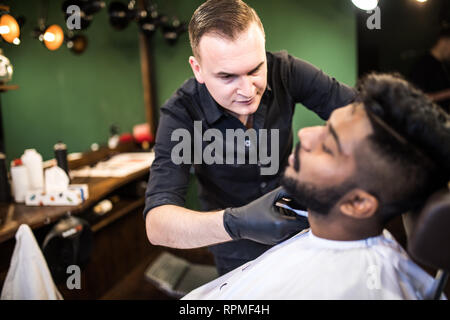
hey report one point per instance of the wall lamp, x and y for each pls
(87, 9)
(51, 36)
(76, 43)
(172, 29)
(9, 26)
(148, 20)
(121, 14)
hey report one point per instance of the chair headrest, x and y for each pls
(429, 242)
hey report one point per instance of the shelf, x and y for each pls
(13, 215)
(6, 87)
(124, 207)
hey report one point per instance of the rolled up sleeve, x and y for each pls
(168, 182)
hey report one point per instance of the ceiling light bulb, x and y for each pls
(365, 4)
(77, 43)
(53, 37)
(4, 29)
(48, 36)
(10, 28)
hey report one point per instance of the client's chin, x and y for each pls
(319, 200)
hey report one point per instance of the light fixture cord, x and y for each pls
(43, 12)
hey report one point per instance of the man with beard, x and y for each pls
(379, 157)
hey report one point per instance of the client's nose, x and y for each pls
(309, 136)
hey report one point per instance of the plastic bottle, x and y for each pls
(61, 157)
(5, 192)
(34, 164)
(19, 176)
(60, 150)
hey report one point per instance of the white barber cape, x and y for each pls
(28, 276)
(309, 267)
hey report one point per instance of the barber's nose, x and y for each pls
(246, 87)
(309, 137)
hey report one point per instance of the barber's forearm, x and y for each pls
(178, 227)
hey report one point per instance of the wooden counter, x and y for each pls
(13, 215)
(120, 242)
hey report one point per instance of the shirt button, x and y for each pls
(263, 185)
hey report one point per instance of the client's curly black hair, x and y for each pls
(412, 135)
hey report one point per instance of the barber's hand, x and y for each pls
(261, 221)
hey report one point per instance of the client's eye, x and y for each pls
(326, 149)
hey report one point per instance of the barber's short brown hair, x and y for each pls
(225, 18)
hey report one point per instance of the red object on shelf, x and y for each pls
(17, 162)
(141, 133)
(125, 137)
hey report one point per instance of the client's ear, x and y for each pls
(359, 204)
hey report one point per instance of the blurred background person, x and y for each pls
(431, 72)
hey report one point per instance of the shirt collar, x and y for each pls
(335, 244)
(268, 89)
(212, 110)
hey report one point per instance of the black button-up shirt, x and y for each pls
(290, 81)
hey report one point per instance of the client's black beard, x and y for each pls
(310, 196)
(318, 200)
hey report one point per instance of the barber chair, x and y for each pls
(429, 240)
(69, 242)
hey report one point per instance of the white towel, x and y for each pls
(28, 276)
(309, 267)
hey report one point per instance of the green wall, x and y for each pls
(76, 98)
(321, 32)
(67, 97)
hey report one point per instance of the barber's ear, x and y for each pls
(359, 204)
(195, 65)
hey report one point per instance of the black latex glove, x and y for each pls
(262, 221)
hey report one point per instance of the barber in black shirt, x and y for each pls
(238, 88)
